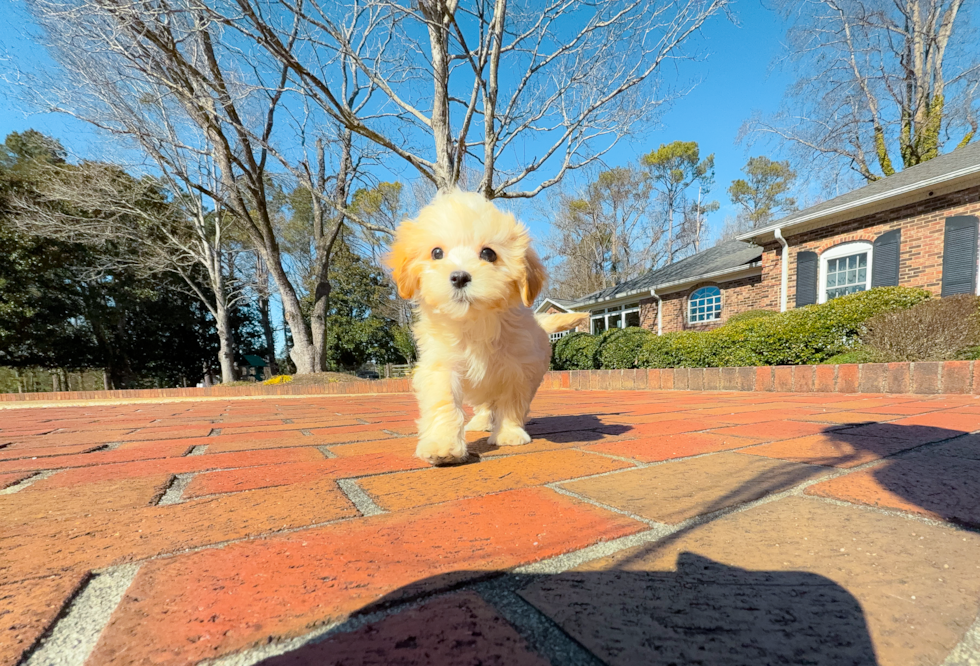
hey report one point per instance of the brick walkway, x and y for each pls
(637, 528)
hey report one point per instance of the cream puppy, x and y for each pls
(471, 271)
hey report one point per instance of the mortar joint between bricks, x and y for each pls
(72, 636)
(24, 483)
(174, 492)
(360, 499)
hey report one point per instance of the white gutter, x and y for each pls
(660, 307)
(784, 265)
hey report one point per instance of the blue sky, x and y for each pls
(732, 78)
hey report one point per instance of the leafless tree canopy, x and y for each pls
(233, 100)
(883, 84)
(209, 109)
(528, 91)
(604, 235)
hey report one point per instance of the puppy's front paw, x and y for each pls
(510, 436)
(442, 451)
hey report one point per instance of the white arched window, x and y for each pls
(704, 305)
(845, 269)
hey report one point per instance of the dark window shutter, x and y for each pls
(885, 259)
(960, 255)
(806, 278)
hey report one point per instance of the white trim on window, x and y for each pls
(843, 251)
(704, 305)
(618, 315)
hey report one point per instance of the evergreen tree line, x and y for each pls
(81, 290)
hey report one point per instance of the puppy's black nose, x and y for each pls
(460, 279)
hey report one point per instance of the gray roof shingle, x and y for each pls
(726, 256)
(961, 162)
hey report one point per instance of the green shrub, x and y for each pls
(575, 351)
(814, 334)
(621, 348)
(859, 354)
(680, 349)
(749, 315)
(803, 336)
(936, 330)
(817, 333)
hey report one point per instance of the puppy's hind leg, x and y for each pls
(509, 413)
(481, 421)
(441, 439)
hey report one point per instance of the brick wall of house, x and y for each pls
(736, 296)
(923, 229)
(648, 314)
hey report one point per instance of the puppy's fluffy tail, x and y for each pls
(556, 323)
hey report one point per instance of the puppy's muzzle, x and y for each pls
(460, 279)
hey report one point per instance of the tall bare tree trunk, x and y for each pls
(222, 315)
(226, 341)
(325, 241)
(302, 352)
(439, 16)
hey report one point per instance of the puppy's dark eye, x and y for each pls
(437, 253)
(488, 255)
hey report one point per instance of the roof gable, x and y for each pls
(563, 304)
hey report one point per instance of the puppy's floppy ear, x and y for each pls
(534, 277)
(402, 261)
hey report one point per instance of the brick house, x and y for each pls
(917, 228)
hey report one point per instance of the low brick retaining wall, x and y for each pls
(924, 378)
(402, 385)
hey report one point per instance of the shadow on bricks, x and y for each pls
(733, 582)
(704, 612)
(582, 428)
(626, 609)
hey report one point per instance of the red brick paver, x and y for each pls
(216, 601)
(29, 607)
(258, 523)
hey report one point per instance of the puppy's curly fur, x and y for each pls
(472, 273)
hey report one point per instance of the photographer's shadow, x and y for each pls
(707, 613)
(703, 613)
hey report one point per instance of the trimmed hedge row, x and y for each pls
(803, 336)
